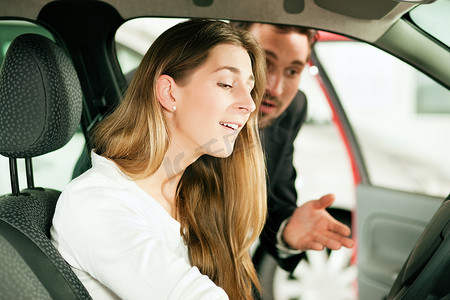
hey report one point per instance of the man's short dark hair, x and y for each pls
(311, 34)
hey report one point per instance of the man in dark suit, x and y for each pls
(289, 229)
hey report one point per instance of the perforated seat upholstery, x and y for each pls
(40, 109)
(14, 271)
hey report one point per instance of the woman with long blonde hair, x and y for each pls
(176, 195)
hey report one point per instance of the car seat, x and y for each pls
(40, 109)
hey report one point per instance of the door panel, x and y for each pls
(389, 223)
(398, 128)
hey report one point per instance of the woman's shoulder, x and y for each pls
(102, 185)
(94, 183)
(104, 175)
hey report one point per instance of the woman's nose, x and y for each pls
(246, 104)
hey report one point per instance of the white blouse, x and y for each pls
(122, 243)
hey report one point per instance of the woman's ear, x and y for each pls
(164, 92)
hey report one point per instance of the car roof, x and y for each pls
(363, 19)
(379, 22)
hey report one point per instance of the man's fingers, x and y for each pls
(315, 246)
(342, 232)
(347, 242)
(340, 228)
(328, 239)
(334, 241)
(333, 245)
(336, 245)
(324, 201)
(331, 240)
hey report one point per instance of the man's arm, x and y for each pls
(282, 195)
(308, 227)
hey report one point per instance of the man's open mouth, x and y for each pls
(268, 103)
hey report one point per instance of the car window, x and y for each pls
(433, 19)
(11, 29)
(53, 170)
(135, 36)
(320, 155)
(400, 116)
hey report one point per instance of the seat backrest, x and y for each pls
(426, 272)
(13, 272)
(40, 109)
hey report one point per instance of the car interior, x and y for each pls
(49, 89)
(41, 106)
(426, 271)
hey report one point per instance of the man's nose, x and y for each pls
(274, 85)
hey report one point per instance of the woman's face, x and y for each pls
(214, 103)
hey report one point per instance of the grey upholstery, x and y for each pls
(14, 271)
(40, 109)
(40, 98)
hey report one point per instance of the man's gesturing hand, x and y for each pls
(311, 227)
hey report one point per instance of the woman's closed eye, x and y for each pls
(225, 85)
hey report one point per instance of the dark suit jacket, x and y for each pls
(278, 143)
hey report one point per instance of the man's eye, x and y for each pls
(292, 72)
(224, 85)
(269, 65)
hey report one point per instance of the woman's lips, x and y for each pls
(233, 126)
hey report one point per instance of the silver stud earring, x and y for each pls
(174, 108)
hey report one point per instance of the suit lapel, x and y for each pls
(272, 138)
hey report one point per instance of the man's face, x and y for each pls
(287, 55)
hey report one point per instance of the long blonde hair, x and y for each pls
(221, 202)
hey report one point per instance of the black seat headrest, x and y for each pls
(40, 98)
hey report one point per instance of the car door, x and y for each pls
(395, 121)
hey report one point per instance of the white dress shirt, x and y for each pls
(122, 243)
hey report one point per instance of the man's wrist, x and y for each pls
(281, 245)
